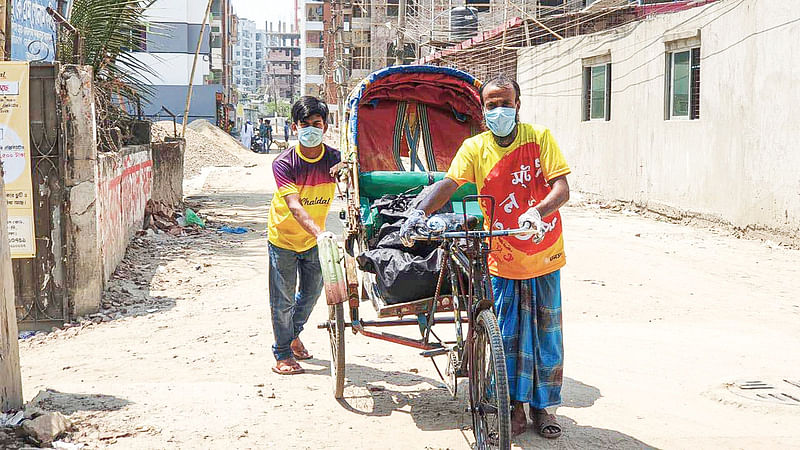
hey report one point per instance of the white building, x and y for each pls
(688, 114)
(312, 51)
(170, 50)
(245, 61)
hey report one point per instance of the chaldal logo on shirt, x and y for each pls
(316, 201)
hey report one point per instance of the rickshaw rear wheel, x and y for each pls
(489, 396)
(336, 335)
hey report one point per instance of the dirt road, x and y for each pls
(657, 317)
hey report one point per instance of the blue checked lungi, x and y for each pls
(529, 315)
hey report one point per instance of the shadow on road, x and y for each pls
(381, 393)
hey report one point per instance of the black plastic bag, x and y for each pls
(402, 277)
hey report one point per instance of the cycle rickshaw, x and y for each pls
(404, 125)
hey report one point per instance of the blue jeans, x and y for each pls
(289, 306)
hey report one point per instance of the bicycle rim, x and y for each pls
(489, 397)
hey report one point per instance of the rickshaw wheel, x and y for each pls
(336, 335)
(489, 397)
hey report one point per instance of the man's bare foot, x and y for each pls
(519, 421)
(299, 350)
(288, 366)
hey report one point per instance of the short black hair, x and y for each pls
(307, 106)
(501, 80)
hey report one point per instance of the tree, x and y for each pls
(111, 30)
(283, 109)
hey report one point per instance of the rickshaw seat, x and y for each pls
(376, 184)
(373, 185)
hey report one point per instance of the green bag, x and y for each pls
(193, 219)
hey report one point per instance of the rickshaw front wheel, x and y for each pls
(336, 335)
(488, 385)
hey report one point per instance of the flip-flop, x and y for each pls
(542, 420)
(291, 371)
(302, 356)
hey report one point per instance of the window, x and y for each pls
(361, 8)
(393, 8)
(597, 92)
(361, 58)
(683, 84)
(314, 13)
(361, 38)
(314, 39)
(408, 57)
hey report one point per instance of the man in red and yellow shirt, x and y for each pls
(521, 166)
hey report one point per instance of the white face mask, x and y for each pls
(501, 120)
(309, 136)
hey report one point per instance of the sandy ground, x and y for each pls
(657, 319)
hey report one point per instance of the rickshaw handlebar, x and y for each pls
(425, 233)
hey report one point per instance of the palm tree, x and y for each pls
(110, 30)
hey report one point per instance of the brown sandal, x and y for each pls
(288, 367)
(545, 424)
(300, 354)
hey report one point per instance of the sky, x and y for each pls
(260, 11)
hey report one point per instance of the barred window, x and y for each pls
(683, 84)
(597, 92)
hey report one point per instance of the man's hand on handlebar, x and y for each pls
(416, 219)
(532, 219)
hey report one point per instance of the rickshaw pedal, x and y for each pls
(434, 352)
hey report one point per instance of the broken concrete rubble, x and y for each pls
(46, 428)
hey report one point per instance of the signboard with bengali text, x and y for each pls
(15, 155)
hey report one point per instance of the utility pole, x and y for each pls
(339, 70)
(291, 68)
(400, 50)
(194, 67)
(225, 63)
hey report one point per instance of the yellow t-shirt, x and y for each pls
(517, 177)
(312, 181)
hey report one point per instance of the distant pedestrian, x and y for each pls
(268, 137)
(304, 177)
(247, 134)
(286, 131)
(262, 131)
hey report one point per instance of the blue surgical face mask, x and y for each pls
(501, 120)
(309, 136)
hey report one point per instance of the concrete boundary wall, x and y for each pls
(737, 164)
(125, 182)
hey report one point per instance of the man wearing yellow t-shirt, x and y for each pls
(521, 166)
(304, 177)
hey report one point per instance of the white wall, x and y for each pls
(738, 162)
(183, 11)
(175, 68)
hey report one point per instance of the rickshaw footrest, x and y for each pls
(434, 352)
